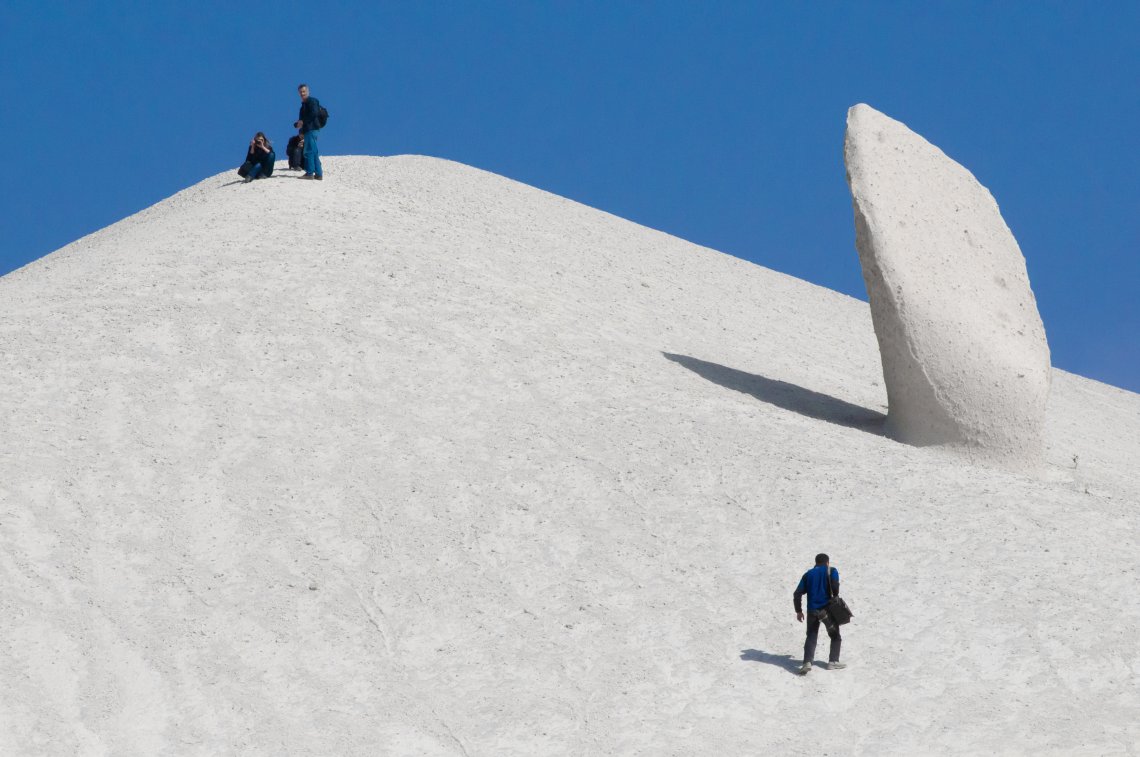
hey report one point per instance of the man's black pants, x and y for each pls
(813, 634)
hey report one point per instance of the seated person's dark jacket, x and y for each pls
(257, 156)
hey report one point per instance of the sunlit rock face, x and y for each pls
(965, 359)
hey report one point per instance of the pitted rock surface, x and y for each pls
(965, 359)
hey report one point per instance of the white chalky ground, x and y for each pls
(423, 461)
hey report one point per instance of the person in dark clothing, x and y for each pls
(259, 159)
(814, 584)
(308, 121)
(295, 151)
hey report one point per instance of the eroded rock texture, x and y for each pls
(965, 359)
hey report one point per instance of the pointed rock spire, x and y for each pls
(965, 360)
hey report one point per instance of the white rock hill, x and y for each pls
(423, 461)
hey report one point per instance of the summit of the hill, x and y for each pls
(422, 460)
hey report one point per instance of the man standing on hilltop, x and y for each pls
(815, 584)
(308, 121)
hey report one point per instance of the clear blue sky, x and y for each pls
(719, 122)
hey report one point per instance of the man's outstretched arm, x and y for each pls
(797, 600)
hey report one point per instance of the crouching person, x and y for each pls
(296, 152)
(259, 159)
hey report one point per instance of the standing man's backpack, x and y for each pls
(322, 115)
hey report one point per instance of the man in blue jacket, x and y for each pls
(308, 121)
(814, 584)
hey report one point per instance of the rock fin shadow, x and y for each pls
(787, 396)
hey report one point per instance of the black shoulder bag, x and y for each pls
(838, 610)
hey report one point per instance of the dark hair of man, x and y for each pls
(822, 559)
(302, 86)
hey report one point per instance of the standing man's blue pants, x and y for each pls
(312, 155)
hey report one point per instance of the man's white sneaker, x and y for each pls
(804, 669)
(836, 665)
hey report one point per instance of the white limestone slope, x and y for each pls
(423, 461)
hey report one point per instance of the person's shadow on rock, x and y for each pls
(785, 661)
